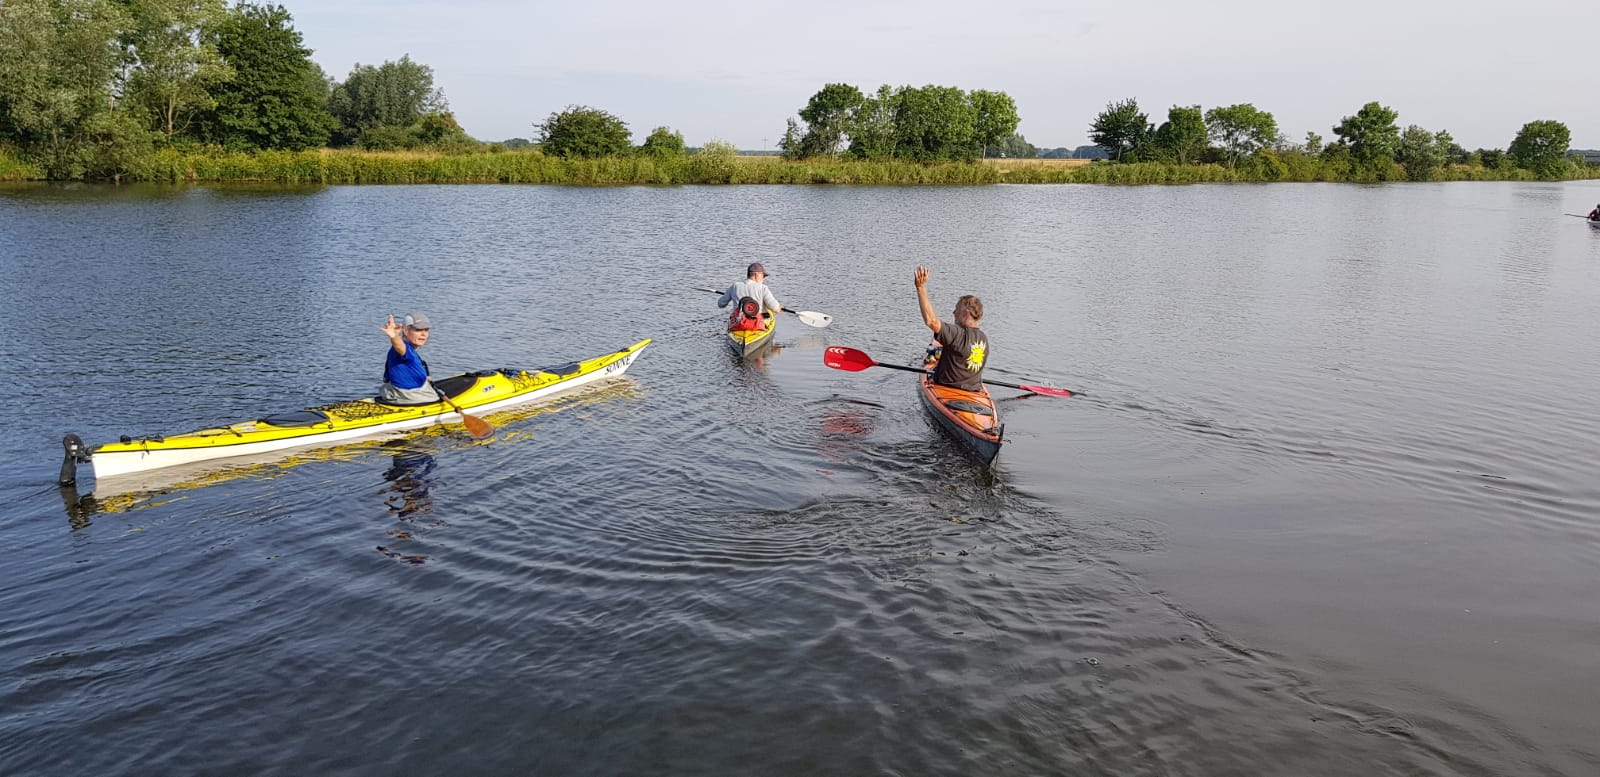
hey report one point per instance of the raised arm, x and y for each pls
(393, 331)
(928, 316)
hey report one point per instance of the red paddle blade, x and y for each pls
(1049, 391)
(847, 359)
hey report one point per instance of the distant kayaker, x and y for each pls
(405, 374)
(963, 348)
(754, 299)
(1594, 215)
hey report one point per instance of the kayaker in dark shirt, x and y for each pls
(405, 374)
(1594, 215)
(965, 348)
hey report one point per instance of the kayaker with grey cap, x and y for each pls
(753, 297)
(405, 374)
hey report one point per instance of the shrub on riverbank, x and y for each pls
(13, 169)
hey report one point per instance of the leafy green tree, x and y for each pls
(828, 115)
(58, 61)
(172, 60)
(934, 123)
(1421, 153)
(1313, 143)
(996, 117)
(663, 142)
(1121, 128)
(583, 132)
(1241, 130)
(277, 95)
(1371, 134)
(872, 133)
(1541, 146)
(1492, 158)
(1014, 147)
(1182, 136)
(394, 94)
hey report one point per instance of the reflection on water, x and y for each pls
(409, 497)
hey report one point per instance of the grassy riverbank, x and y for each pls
(327, 166)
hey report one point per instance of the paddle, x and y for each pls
(807, 317)
(852, 360)
(1576, 216)
(477, 427)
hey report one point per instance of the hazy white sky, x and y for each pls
(735, 70)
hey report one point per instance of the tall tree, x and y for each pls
(58, 60)
(581, 131)
(1421, 152)
(1121, 128)
(277, 96)
(934, 123)
(996, 117)
(1183, 135)
(1541, 146)
(394, 94)
(1371, 134)
(872, 133)
(172, 60)
(828, 115)
(1241, 130)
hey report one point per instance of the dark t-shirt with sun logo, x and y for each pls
(966, 350)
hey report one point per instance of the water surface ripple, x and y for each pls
(1326, 506)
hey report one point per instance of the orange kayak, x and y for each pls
(969, 415)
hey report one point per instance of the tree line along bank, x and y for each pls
(175, 90)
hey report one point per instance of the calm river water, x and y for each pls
(1328, 504)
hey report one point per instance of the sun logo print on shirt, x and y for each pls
(975, 357)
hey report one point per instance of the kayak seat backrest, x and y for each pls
(297, 418)
(968, 406)
(453, 386)
(564, 369)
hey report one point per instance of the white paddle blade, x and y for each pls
(813, 318)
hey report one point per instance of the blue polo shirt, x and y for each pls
(407, 372)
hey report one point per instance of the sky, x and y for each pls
(734, 71)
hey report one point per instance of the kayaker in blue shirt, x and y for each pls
(960, 349)
(753, 287)
(405, 374)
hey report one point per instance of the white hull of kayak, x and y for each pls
(116, 464)
(1594, 224)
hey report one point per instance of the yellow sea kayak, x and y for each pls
(484, 391)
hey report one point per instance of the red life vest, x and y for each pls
(747, 317)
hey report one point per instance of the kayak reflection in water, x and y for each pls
(410, 483)
(960, 350)
(405, 374)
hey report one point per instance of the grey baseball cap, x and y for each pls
(417, 320)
